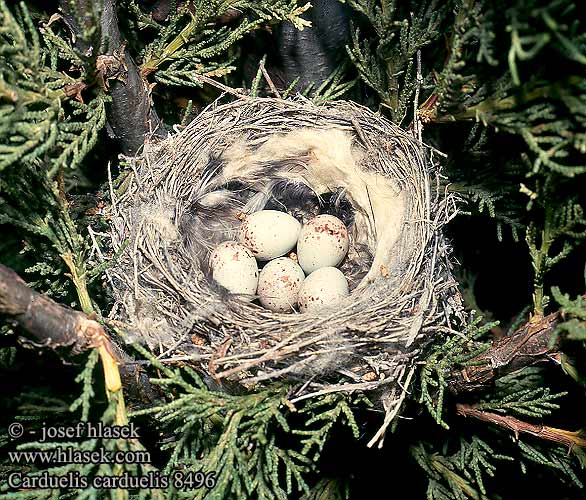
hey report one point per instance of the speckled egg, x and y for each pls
(323, 242)
(322, 288)
(269, 233)
(279, 283)
(234, 267)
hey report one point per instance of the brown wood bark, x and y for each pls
(567, 438)
(529, 345)
(131, 115)
(49, 324)
(53, 325)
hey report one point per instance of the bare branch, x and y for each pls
(567, 438)
(52, 325)
(49, 323)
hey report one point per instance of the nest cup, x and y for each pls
(184, 195)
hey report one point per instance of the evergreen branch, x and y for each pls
(60, 50)
(556, 458)
(333, 86)
(573, 314)
(77, 139)
(190, 43)
(32, 121)
(444, 357)
(536, 402)
(565, 223)
(89, 470)
(475, 459)
(329, 489)
(386, 64)
(86, 378)
(549, 118)
(241, 449)
(575, 308)
(237, 436)
(326, 413)
(444, 471)
(484, 199)
(255, 84)
(461, 475)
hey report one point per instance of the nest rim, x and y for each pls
(241, 356)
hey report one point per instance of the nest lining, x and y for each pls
(184, 195)
(298, 172)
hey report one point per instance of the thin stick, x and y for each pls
(265, 73)
(561, 436)
(96, 247)
(221, 86)
(416, 120)
(390, 416)
(347, 388)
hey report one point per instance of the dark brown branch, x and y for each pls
(527, 346)
(49, 323)
(567, 438)
(52, 325)
(131, 116)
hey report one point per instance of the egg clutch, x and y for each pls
(298, 263)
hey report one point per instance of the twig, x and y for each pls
(567, 438)
(416, 119)
(391, 412)
(345, 388)
(269, 80)
(96, 247)
(220, 86)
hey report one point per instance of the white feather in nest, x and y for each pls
(304, 172)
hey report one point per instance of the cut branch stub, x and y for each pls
(53, 325)
(50, 324)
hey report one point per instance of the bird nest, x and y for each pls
(189, 192)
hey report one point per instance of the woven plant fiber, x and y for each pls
(185, 194)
